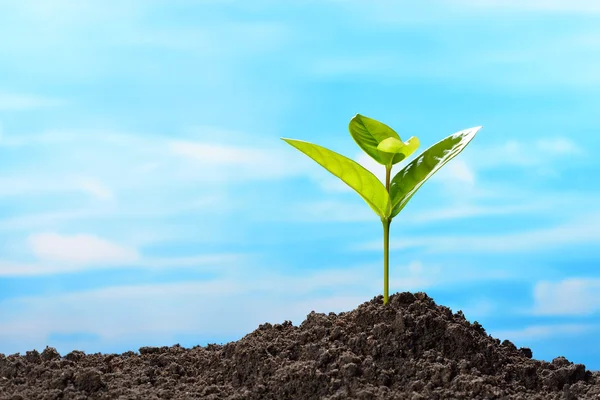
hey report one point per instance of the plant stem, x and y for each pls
(386, 242)
(386, 259)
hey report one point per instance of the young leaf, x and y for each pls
(401, 149)
(368, 133)
(410, 178)
(367, 185)
(390, 145)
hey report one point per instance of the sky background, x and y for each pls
(146, 198)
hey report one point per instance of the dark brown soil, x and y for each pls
(408, 349)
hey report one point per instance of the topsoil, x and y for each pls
(410, 348)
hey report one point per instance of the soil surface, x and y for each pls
(410, 348)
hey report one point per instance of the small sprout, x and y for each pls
(384, 145)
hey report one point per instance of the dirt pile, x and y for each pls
(410, 348)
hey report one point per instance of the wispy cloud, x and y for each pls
(58, 138)
(571, 296)
(537, 62)
(96, 189)
(344, 211)
(574, 6)
(35, 220)
(585, 230)
(209, 263)
(215, 161)
(542, 331)
(467, 211)
(19, 102)
(81, 249)
(476, 308)
(541, 152)
(63, 12)
(214, 39)
(345, 65)
(457, 171)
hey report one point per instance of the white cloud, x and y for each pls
(519, 153)
(538, 62)
(584, 230)
(67, 161)
(31, 221)
(83, 137)
(359, 211)
(150, 180)
(456, 204)
(215, 39)
(81, 249)
(218, 162)
(572, 296)
(64, 12)
(18, 184)
(377, 169)
(147, 167)
(371, 67)
(17, 102)
(541, 331)
(215, 263)
(559, 6)
(476, 308)
(137, 166)
(96, 189)
(215, 44)
(396, 13)
(352, 65)
(459, 171)
(558, 146)
(457, 178)
(216, 153)
(329, 210)
(194, 261)
(12, 269)
(468, 211)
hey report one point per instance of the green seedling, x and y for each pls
(384, 145)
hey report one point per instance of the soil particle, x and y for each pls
(409, 349)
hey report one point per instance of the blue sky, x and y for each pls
(146, 197)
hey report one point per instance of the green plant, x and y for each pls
(384, 145)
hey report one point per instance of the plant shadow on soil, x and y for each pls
(410, 348)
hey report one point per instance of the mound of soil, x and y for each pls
(410, 348)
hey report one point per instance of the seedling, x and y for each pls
(384, 145)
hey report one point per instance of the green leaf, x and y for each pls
(367, 185)
(401, 149)
(368, 133)
(410, 178)
(390, 145)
